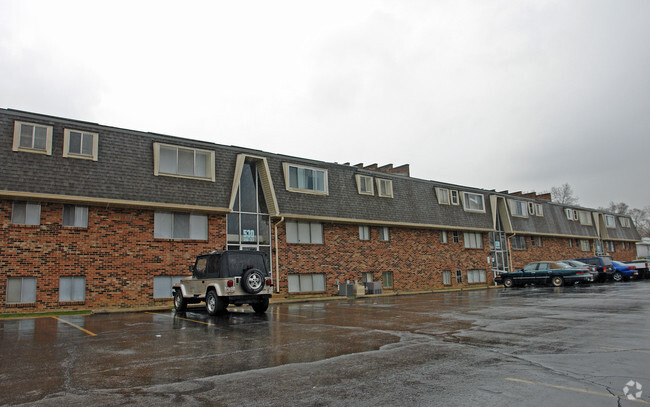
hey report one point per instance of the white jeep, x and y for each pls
(226, 277)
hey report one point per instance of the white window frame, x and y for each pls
(535, 241)
(79, 216)
(446, 277)
(610, 221)
(364, 232)
(210, 168)
(384, 187)
(32, 213)
(48, 138)
(569, 213)
(531, 208)
(453, 195)
(610, 246)
(298, 232)
(476, 276)
(585, 218)
(387, 276)
(365, 186)
(384, 233)
(518, 242)
(444, 238)
(443, 196)
(539, 210)
(467, 200)
(287, 179)
(585, 246)
(27, 291)
(625, 222)
(306, 282)
(94, 155)
(518, 208)
(72, 289)
(459, 277)
(164, 226)
(473, 240)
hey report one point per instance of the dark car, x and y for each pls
(545, 272)
(603, 264)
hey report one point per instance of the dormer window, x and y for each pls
(32, 138)
(473, 202)
(183, 162)
(80, 144)
(385, 187)
(305, 179)
(443, 196)
(365, 185)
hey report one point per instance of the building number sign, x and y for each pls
(248, 235)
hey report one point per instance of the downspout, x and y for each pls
(277, 255)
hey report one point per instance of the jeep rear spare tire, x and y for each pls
(252, 281)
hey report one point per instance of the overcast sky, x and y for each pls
(517, 95)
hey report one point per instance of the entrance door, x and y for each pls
(499, 249)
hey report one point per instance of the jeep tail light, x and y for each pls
(230, 283)
(269, 282)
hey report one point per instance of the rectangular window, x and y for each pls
(385, 187)
(366, 277)
(476, 276)
(443, 236)
(384, 234)
(305, 179)
(183, 162)
(364, 185)
(32, 137)
(569, 213)
(26, 213)
(518, 243)
(624, 245)
(364, 232)
(304, 283)
(610, 246)
(584, 245)
(625, 222)
(473, 202)
(72, 289)
(443, 196)
(539, 210)
(162, 285)
(585, 218)
(454, 197)
(459, 277)
(570, 242)
(455, 237)
(387, 279)
(610, 221)
(21, 290)
(80, 144)
(75, 216)
(176, 225)
(473, 240)
(518, 208)
(446, 277)
(531, 208)
(304, 232)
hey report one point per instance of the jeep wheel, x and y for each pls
(261, 307)
(508, 283)
(179, 302)
(214, 304)
(252, 281)
(618, 276)
(557, 281)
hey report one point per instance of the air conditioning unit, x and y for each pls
(346, 290)
(373, 287)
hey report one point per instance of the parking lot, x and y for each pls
(570, 346)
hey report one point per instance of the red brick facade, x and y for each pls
(119, 256)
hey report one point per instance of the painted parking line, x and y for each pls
(628, 350)
(76, 326)
(184, 319)
(553, 386)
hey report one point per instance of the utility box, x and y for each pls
(373, 287)
(346, 290)
(359, 290)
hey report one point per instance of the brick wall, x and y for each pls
(117, 254)
(416, 257)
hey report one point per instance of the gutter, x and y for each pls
(277, 261)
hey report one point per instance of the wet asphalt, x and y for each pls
(532, 346)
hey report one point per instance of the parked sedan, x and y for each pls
(578, 264)
(623, 271)
(545, 272)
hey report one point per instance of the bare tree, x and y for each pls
(564, 195)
